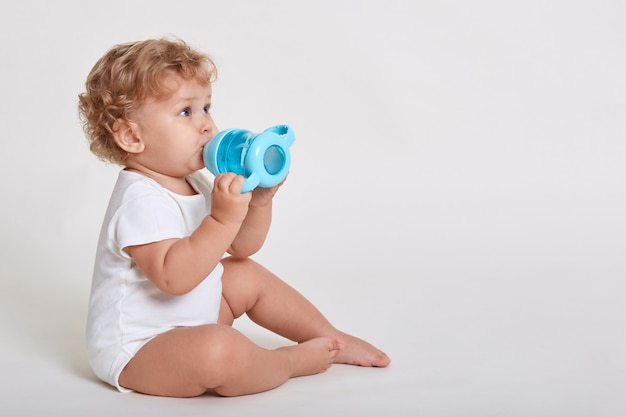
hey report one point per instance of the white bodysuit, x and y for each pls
(125, 309)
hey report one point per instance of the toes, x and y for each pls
(337, 345)
(381, 360)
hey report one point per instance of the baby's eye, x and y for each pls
(206, 109)
(185, 112)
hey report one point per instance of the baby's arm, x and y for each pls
(176, 266)
(256, 225)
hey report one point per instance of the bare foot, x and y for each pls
(313, 356)
(355, 351)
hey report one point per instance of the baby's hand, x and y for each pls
(228, 204)
(263, 196)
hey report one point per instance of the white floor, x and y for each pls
(484, 359)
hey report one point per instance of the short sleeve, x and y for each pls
(149, 217)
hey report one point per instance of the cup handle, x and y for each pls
(285, 133)
(250, 183)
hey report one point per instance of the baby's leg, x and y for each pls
(250, 288)
(186, 362)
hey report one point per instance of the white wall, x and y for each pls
(460, 165)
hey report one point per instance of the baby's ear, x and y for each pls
(125, 137)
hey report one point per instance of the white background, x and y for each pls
(457, 197)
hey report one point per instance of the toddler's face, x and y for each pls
(175, 128)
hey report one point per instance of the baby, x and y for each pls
(173, 268)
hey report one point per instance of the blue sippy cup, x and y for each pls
(262, 158)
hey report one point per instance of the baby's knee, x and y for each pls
(242, 267)
(218, 345)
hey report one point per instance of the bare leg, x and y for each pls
(188, 361)
(249, 288)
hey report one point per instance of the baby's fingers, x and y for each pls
(229, 182)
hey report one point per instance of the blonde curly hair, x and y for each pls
(125, 77)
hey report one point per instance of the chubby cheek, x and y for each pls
(199, 162)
